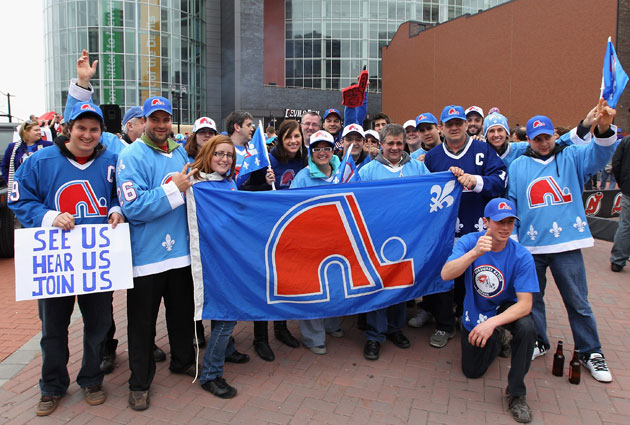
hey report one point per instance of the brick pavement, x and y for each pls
(421, 385)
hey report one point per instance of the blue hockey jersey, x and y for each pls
(548, 196)
(376, 170)
(50, 183)
(494, 278)
(154, 207)
(479, 159)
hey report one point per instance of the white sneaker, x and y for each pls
(420, 319)
(539, 350)
(596, 364)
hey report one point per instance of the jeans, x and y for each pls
(55, 316)
(621, 248)
(605, 177)
(476, 360)
(314, 331)
(385, 321)
(217, 349)
(569, 274)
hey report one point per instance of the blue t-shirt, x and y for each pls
(494, 278)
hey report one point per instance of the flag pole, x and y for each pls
(273, 184)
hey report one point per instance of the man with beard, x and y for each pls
(474, 118)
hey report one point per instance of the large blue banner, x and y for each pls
(320, 252)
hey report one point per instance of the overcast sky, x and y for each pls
(22, 72)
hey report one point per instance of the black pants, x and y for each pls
(441, 307)
(143, 305)
(261, 333)
(476, 360)
(110, 344)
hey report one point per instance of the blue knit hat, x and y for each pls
(493, 120)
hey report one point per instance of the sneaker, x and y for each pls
(139, 400)
(421, 318)
(95, 395)
(47, 404)
(596, 364)
(319, 349)
(440, 338)
(337, 334)
(616, 267)
(539, 350)
(506, 350)
(219, 387)
(519, 408)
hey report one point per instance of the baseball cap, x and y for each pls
(452, 112)
(331, 111)
(204, 122)
(156, 103)
(85, 108)
(476, 109)
(500, 208)
(409, 123)
(322, 136)
(494, 120)
(373, 133)
(353, 128)
(426, 117)
(134, 112)
(539, 124)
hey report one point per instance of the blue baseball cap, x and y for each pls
(134, 112)
(500, 208)
(426, 117)
(85, 108)
(539, 124)
(157, 103)
(495, 120)
(331, 111)
(452, 112)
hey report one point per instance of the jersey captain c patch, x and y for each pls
(488, 281)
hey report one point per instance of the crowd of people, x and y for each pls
(530, 190)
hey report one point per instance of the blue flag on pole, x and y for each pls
(615, 78)
(347, 171)
(255, 157)
(320, 252)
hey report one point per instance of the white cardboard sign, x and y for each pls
(52, 262)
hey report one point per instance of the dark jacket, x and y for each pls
(621, 165)
(20, 156)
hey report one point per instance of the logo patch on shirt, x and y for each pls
(488, 281)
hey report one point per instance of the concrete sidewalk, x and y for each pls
(420, 385)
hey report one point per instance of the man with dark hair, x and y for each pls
(333, 123)
(474, 118)
(379, 121)
(240, 128)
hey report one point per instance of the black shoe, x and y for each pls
(158, 354)
(399, 339)
(237, 357)
(219, 388)
(372, 350)
(108, 364)
(264, 351)
(285, 336)
(616, 267)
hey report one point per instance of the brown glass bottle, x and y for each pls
(558, 361)
(574, 369)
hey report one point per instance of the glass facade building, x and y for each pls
(329, 41)
(144, 48)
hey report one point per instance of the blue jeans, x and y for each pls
(621, 248)
(314, 330)
(385, 321)
(219, 346)
(55, 316)
(569, 274)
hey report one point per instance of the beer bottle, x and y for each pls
(574, 369)
(558, 361)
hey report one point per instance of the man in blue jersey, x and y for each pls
(546, 184)
(428, 133)
(35, 198)
(483, 176)
(500, 277)
(392, 162)
(152, 177)
(354, 135)
(240, 128)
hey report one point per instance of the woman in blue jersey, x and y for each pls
(215, 163)
(321, 169)
(287, 158)
(17, 152)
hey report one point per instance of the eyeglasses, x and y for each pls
(228, 155)
(326, 149)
